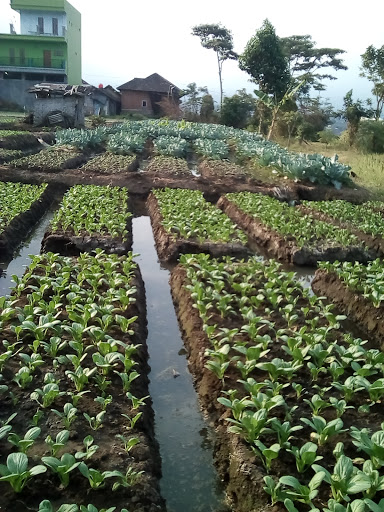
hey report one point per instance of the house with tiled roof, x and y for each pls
(143, 95)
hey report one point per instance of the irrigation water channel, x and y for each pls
(189, 482)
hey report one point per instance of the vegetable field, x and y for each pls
(74, 381)
(289, 234)
(290, 379)
(90, 217)
(285, 383)
(184, 222)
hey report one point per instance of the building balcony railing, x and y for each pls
(32, 62)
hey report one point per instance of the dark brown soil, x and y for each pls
(235, 463)
(169, 247)
(20, 226)
(359, 309)
(285, 249)
(142, 183)
(374, 242)
(144, 496)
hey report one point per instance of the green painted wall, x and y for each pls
(40, 5)
(33, 47)
(74, 44)
(72, 54)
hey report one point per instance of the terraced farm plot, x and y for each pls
(365, 220)
(54, 159)
(289, 389)
(168, 165)
(288, 234)
(358, 291)
(109, 163)
(183, 221)
(21, 205)
(77, 425)
(91, 217)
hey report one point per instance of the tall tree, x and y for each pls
(219, 39)
(352, 112)
(305, 59)
(373, 69)
(264, 60)
(192, 99)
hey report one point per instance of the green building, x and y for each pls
(48, 48)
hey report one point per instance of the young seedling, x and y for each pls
(16, 471)
(95, 422)
(23, 444)
(305, 456)
(90, 449)
(61, 467)
(57, 444)
(68, 415)
(124, 480)
(128, 442)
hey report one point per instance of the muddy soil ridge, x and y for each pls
(19, 227)
(169, 247)
(235, 462)
(376, 243)
(351, 303)
(285, 249)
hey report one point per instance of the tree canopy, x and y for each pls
(305, 59)
(219, 39)
(373, 69)
(265, 61)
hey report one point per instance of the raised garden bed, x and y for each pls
(182, 221)
(91, 352)
(363, 220)
(91, 217)
(212, 168)
(10, 139)
(21, 207)
(168, 165)
(287, 234)
(109, 163)
(53, 159)
(276, 375)
(357, 291)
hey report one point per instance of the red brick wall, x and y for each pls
(133, 100)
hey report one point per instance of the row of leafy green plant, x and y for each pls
(6, 155)
(211, 141)
(16, 198)
(363, 217)
(70, 349)
(186, 214)
(54, 158)
(367, 280)
(109, 163)
(93, 210)
(304, 395)
(168, 164)
(289, 221)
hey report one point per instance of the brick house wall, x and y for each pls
(132, 101)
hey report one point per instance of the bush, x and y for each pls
(370, 137)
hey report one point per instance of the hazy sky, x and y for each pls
(122, 39)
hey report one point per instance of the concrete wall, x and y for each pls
(28, 22)
(132, 101)
(73, 106)
(15, 91)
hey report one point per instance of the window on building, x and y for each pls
(22, 56)
(58, 53)
(55, 26)
(12, 60)
(144, 103)
(40, 25)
